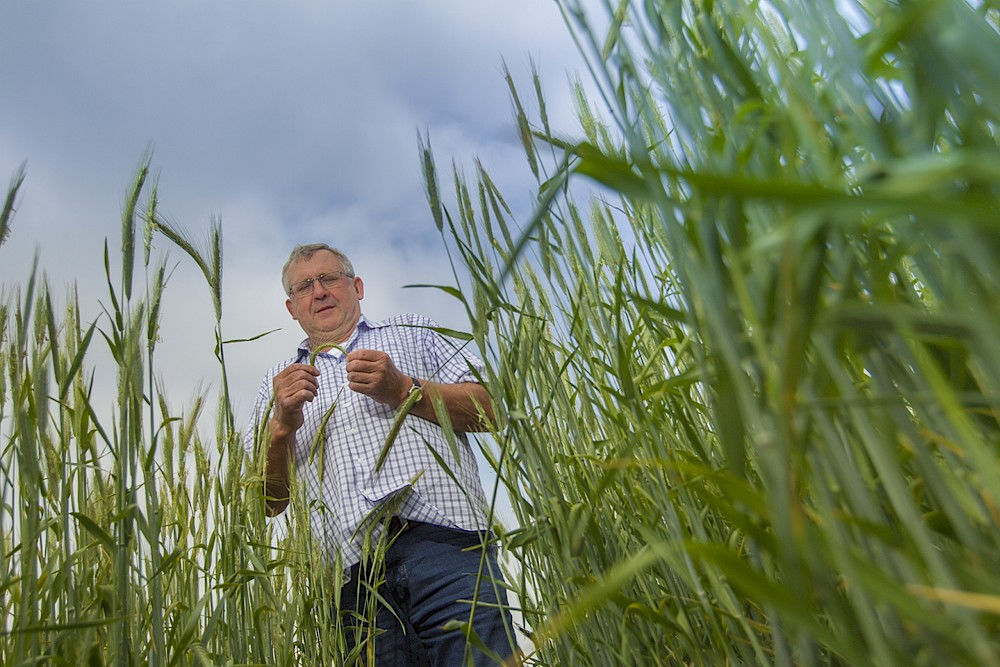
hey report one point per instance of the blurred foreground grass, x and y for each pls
(752, 389)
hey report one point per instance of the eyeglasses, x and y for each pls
(305, 287)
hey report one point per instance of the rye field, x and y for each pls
(743, 350)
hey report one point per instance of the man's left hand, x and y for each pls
(372, 373)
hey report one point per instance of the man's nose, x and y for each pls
(323, 291)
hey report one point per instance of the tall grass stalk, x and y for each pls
(750, 389)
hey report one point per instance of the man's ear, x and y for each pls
(359, 287)
(291, 311)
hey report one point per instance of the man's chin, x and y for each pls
(327, 335)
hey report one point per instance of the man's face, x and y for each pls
(326, 314)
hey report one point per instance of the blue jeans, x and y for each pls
(429, 579)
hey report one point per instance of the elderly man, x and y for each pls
(425, 498)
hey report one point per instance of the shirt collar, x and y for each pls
(305, 349)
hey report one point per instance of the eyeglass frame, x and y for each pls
(308, 284)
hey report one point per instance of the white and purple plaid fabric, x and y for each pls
(339, 482)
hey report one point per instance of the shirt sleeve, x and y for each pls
(254, 433)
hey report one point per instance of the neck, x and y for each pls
(332, 337)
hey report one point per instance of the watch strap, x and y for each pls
(416, 386)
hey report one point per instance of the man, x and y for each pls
(330, 421)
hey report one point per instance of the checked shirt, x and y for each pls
(336, 472)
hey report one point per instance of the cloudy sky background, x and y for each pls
(292, 122)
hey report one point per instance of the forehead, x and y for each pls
(321, 261)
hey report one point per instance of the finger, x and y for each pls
(285, 391)
(359, 366)
(297, 393)
(290, 393)
(286, 394)
(296, 376)
(365, 378)
(366, 355)
(294, 401)
(300, 397)
(380, 367)
(289, 387)
(298, 369)
(362, 379)
(383, 368)
(301, 366)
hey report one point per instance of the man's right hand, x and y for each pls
(294, 386)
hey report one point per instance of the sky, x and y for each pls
(290, 122)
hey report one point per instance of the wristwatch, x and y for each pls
(414, 387)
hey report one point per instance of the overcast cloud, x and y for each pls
(292, 122)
